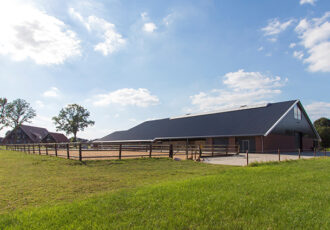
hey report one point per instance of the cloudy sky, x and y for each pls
(129, 61)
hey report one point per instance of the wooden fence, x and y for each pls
(95, 151)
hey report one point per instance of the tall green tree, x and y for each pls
(72, 119)
(322, 126)
(3, 109)
(18, 112)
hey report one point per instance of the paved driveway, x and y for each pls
(240, 160)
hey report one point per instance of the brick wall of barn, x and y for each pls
(259, 144)
(276, 141)
(283, 142)
(308, 143)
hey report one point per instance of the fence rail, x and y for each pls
(94, 151)
(97, 151)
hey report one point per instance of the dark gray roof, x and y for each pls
(36, 134)
(58, 137)
(252, 121)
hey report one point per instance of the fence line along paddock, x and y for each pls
(96, 151)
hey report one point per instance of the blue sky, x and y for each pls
(130, 61)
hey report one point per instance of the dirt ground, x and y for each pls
(111, 155)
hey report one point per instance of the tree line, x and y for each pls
(322, 126)
(71, 119)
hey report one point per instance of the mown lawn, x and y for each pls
(286, 195)
(31, 180)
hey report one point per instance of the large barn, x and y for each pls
(26, 134)
(258, 128)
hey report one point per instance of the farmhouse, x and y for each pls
(30, 134)
(259, 128)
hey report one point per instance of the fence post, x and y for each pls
(55, 147)
(195, 154)
(150, 150)
(200, 152)
(33, 148)
(170, 155)
(28, 148)
(46, 146)
(67, 151)
(226, 150)
(314, 152)
(247, 157)
(24, 148)
(299, 153)
(279, 154)
(237, 149)
(120, 151)
(186, 150)
(39, 149)
(80, 152)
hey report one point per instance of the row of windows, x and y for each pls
(297, 112)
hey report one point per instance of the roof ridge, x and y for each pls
(238, 108)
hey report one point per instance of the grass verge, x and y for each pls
(287, 195)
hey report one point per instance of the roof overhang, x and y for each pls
(178, 138)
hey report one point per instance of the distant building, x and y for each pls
(55, 138)
(1, 138)
(258, 128)
(26, 134)
(81, 140)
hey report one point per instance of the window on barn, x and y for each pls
(297, 112)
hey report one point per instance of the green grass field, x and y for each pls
(40, 192)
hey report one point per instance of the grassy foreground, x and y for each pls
(287, 195)
(30, 180)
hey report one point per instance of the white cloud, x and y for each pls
(52, 92)
(317, 110)
(292, 45)
(127, 96)
(315, 37)
(242, 88)
(169, 19)
(144, 15)
(275, 27)
(312, 2)
(149, 27)
(273, 39)
(27, 32)
(113, 41)
(261, 48)
(298, 54)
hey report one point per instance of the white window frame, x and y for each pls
(297, 112)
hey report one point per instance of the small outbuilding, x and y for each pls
(258, 128)
(55, 138)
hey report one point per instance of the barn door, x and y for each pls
(245, 145)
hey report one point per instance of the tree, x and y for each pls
(72, 119)
(18, 112)
(322, 126)
(3, 110)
